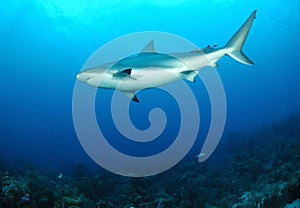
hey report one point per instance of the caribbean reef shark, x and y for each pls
(149, 69)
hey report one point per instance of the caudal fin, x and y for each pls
(235, 44)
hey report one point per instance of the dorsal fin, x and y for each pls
(149, 48)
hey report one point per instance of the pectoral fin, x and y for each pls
(123, 74)
(189, 75)
(131, 95)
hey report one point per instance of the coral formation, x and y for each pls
(262, 172)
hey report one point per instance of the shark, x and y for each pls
(149, 68)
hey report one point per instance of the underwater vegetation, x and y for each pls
(259, 169)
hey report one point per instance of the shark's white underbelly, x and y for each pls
(148, 78)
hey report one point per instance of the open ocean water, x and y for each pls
(44, 45)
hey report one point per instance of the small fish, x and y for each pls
(160, 204)
(60, 175)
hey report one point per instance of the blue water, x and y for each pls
(45, 43)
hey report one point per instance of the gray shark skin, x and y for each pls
(149, 69)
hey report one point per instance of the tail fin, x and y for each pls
(236, 43)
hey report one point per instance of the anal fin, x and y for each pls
(214, 64)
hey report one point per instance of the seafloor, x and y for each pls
(257, 169)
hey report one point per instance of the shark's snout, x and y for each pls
(82, 77)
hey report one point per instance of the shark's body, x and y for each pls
(150, 69)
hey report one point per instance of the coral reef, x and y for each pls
(262, 171)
